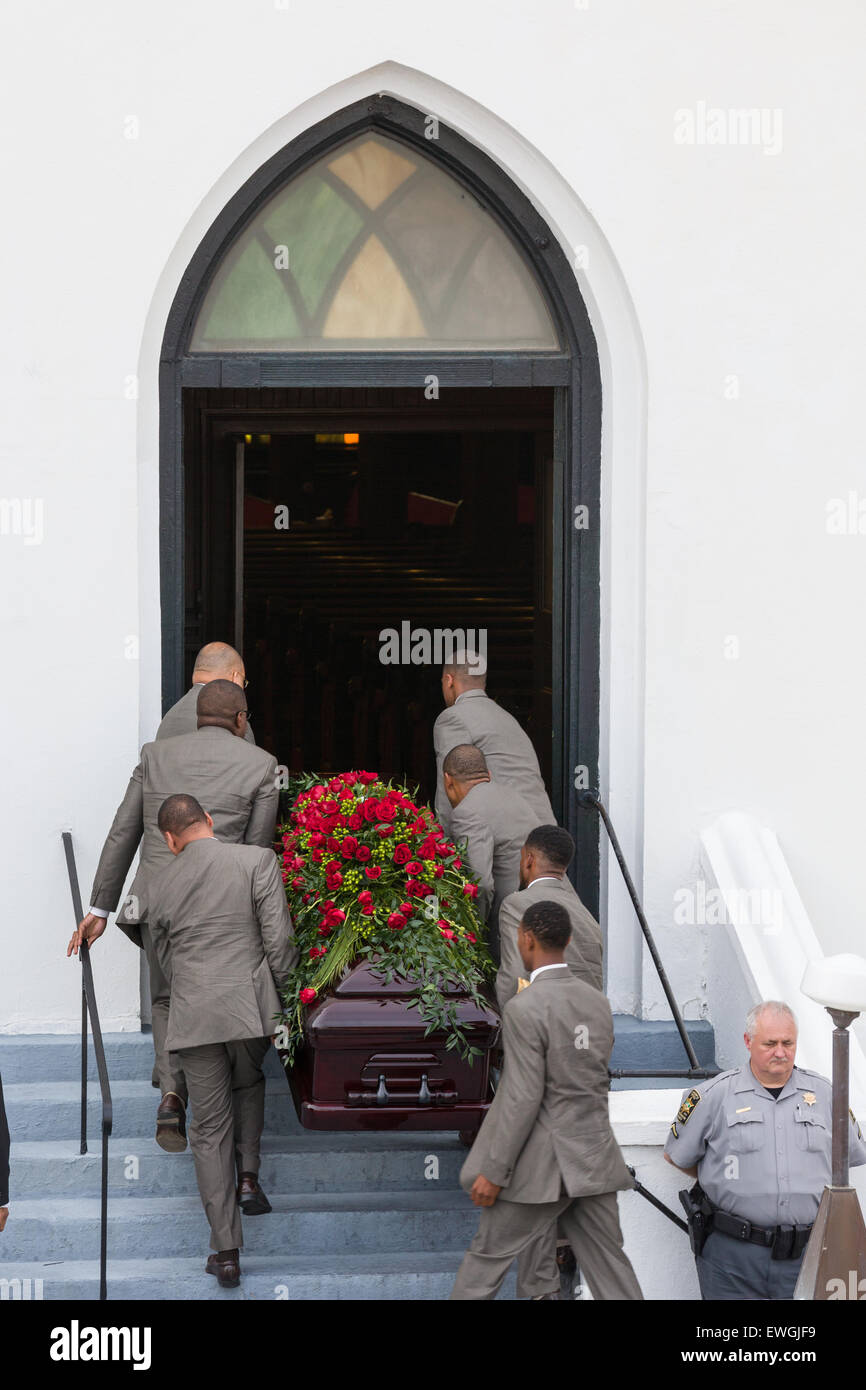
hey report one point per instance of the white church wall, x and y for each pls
(719, 283)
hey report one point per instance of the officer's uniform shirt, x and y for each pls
(762, 1159)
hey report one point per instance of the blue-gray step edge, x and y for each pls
(344, 1223)
(640, 1044)
(397, 1276)
(52, 1168)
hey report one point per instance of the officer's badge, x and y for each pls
(809, 1097)
(687, 1107)
(855, 1124)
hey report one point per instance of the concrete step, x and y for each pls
(52, 1110)
(640, 1044)
(398, 1276)
(307, 1162)
(343, 1223)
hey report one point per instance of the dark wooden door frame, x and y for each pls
(574, 372)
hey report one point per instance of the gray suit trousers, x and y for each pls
(227, 1092)
(167, 1074)
(590, 1224)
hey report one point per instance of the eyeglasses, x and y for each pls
(246, 682)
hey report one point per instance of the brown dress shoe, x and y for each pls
(251, 1200)
(226, 1266)
(171, 1124)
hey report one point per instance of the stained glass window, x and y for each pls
(376, 247)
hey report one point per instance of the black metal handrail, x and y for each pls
(589, 801)
(88, 1007)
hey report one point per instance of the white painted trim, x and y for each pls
(740, 855)
(624, 392)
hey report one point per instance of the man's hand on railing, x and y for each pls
(4, 1216)
(88, 929)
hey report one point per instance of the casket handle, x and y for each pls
(424, 1096)
(382, 1096)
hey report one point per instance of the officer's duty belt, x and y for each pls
(788, 1242)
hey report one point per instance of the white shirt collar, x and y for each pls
(546, 878)
(560, 966)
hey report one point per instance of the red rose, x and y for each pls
(316, 951)
(365, 897)
(414, 868)
(330, 808)
(385, 831)
(316, 839)
(307, 996)
(458, 863)
(328, 906)
(470, 890)
(438, 871)
(368, 777)
(350, 778)
(316, 793)
(324, 930)
(396, 922)
(335, 917)
(346, 793)
(371, 809)
(374, 871)
(363, 853)
(443, 849)
(402, 854)
(317, 856)
(367, 910)
(406, 908)
(335, 879)
(387, 811)
(333, 844)
(348, 847)
(470, 937)
(297, 883)
(355, 821)
(447, 933)
(306, 897)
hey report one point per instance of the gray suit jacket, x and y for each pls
(548, 1127)
(233, 780)
(475, 718)
(494, 820)
(583, 952)
(223, 935)
(182, 718)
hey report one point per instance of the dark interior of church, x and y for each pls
(349, 533)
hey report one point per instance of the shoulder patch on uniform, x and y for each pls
(687, 1107)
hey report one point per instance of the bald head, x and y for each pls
(218, 661)
(224, 704)
(462, 769)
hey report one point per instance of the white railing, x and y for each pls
(771, 939)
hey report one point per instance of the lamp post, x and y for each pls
(834, 1265)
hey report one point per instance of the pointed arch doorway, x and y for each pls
(380, 335)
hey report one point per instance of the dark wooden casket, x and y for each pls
(366, 1064)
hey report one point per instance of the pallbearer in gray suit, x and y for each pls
(237, 784)
(472, 717)
(544, 861)
(215, 662)
(224, 938)
(494, 820)
(546, 1151)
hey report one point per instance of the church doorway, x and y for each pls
(380, 343)
(341, 538)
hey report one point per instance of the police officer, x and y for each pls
(759, 1141)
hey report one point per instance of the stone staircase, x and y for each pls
(355, 1216)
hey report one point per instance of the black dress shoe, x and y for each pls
(171, 1124)
(251, 1200)
(226, 1266)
